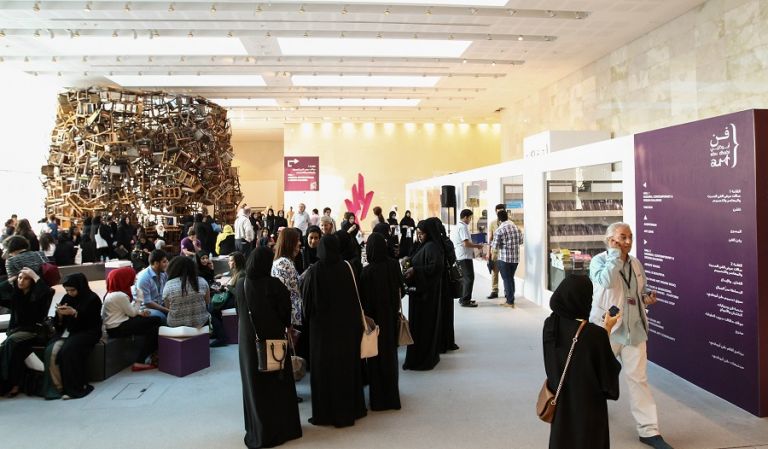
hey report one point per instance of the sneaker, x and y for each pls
(656, 442)
(493, 295)
(142, 367)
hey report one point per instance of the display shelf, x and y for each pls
(586, 213)
(575, 238)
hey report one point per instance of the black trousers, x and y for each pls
(468, 279)
(140, 325)
(217, 320)
(244, 246)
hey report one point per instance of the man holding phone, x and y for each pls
(619, 281)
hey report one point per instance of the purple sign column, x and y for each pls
(697, 239)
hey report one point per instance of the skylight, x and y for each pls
(188, 80)
(360, 102)
(245, 102)
(414, 48)
(123, 46)
(417, 2)
(364, 81)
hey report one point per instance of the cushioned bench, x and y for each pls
(5, 320)
(92, 271)
(229, 317)
(108, 359)
(183, 350)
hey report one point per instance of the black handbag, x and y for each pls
(455, 286)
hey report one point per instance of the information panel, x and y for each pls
(302, 173)
(697, 237)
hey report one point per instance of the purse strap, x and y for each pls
(568, 362)
(248, 306)
(357, 292)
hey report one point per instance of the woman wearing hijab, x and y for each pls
(407, 228)
(385, 230)
(309, 252)
(424, 303)
(29, 300)
(225, 241)
(349, 225)
(78, 329)
(581, 417)
(205, 267)
(380, 288)
(87, 245)
(448, 338)
(350, 251)
(269, 222)
(336, 329)
(123, 316)
(280, 221)
(269, 398)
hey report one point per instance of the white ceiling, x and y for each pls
(558, 37)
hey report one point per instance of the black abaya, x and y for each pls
(333, 311)
(406, 241)
(581, 417)
(269, 399)
(425, 304)
(380, 291)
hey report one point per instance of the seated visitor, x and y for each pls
(151, 282)
(24, 229)
(186, 294)
(47, 245)
(204, 267)
(190, 245)
(66, 250)
(29, 300)
(18, 255)
(123, 316)
(78, 329)
(225, 241)
(225, 299)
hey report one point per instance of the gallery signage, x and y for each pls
(697, 239)
(302, 173)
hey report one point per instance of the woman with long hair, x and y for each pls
(269, 398)
(186, 295)
(283, 269)
(24, 229)
(236, 263)
(378, 217)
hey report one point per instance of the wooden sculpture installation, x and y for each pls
(140, 153)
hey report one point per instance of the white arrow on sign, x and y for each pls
(645, 242)
(645, 184)
(645, 217)
(291, 162)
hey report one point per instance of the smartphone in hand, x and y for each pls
(613, 311)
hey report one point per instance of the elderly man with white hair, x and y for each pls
(619, 280)
(301, 219)
(244, 234)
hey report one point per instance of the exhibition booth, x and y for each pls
(690, 193)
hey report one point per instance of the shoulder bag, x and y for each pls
(404, 337)
(50, 272)
(270, 354)
(369, 345)
(547, 402)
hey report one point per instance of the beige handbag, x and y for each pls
(270, 354)
(404, 337)
(369, 345)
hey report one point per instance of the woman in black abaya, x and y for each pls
(448, 335)
(581, 417)
(331, 305)
(380, 287)
(424, 304)
(407, 229)
(269, 398)
(349, 250)
(390, 240)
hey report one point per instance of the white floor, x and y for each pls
(480, 396)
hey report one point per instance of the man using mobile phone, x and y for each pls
(619, 280)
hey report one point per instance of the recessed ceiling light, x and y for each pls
(417, 2)
(189, 80)
(128, 46)
(359, 80)
(427, 48)
(244, 102)
(359, 102)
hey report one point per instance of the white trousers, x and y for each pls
(634, 364)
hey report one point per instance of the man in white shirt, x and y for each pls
(465, 255)
(301, 219)
(243, 231)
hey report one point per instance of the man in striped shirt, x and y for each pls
(507, 240)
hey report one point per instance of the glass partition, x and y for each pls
(581, 203)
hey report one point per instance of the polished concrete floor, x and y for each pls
(481, 396)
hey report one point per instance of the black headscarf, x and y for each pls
(346, 245)
(382, 228)
(433, 227)
(407, 220)
(571, 300)
(392, 220)
(259, 263)
(309, 254)
(79, 282)
(328, 250)
(376, 248)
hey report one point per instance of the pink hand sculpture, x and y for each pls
(361, 200)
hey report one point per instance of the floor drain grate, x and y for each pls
(131, 392)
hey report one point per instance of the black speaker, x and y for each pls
(448, 196)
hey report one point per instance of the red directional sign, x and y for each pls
(302, 173)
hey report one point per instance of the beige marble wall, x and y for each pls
(710, 61)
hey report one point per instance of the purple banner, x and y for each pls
(697, 239)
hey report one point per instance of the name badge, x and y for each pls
(632, 301)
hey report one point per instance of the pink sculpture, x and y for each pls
(361, 200)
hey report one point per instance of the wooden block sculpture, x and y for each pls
(139, 153)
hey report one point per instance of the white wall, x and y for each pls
(536, 259)
(27, 116)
